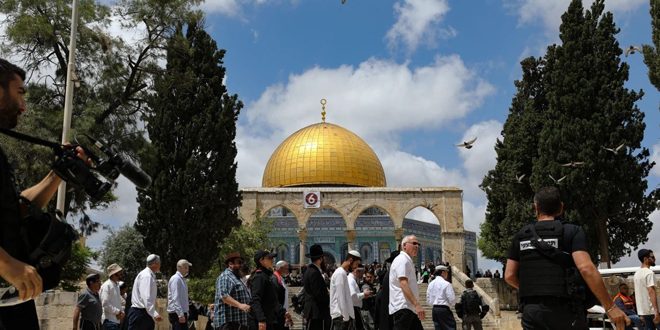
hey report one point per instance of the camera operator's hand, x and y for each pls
(21, 275)
(80, 152)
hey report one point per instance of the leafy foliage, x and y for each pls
(570, 106)
(124, 247)
(652, 52)
(245, 239)
(193, 201)
(75, 269)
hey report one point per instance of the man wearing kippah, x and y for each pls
(143, 299)
(341, 304)
(645, 297)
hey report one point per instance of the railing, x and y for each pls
(494, 303)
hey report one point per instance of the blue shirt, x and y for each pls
(177, 295)
(228, 284)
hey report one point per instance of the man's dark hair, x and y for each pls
(548, 200)
(8, 72)
(469, 284)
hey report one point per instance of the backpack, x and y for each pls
(471, 302)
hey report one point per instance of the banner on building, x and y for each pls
(312, 199)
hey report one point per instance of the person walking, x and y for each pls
(88, 311)
(541, 258)
(404, 306)
(232, 296)
(264, 304)
(645, 296)
(111, 301)
(143, 314)
(472, 308)
(317, 298)
(177, 296)
(341, 304)
(440, 294)
(357, 295)
(368, 310)
(284, 320)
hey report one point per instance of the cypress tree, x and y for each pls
(193, 202)
(652, 52)
(585, 110)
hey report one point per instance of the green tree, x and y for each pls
(75, 269)
(193, 201)
(245, 239)
(112, 77)
(124, 247)
(652, 52)
(584, 108)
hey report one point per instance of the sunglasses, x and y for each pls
(414, 243)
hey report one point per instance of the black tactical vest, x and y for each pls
(538, 274)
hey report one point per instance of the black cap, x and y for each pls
(263, 254)
(393, 255)
(643, 253)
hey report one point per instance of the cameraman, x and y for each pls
(19, 274)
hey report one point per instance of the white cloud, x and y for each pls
(225, 7)
(655, 157)
(359, 98)
(417, 22)
(653, 243)
(549, 12)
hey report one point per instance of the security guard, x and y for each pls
(541, 258)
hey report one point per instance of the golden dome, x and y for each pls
(324, 154)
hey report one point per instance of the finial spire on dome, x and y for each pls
(323, 102)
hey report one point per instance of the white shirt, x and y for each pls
(643, 279)
(440, 292)
(402, 266)
(177, 295)
(286, 292)
(356, 295)
(110, 300)
(340, 296)
(144, 292)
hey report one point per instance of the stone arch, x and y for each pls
(424, 224)
(433, 208)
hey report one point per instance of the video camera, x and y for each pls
(73, 170)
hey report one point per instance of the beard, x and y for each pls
(9, 113)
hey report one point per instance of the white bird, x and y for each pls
(557, 181)
(519, 178)
(573, 164)
(632, 49)
(467, 144)
(615, 150)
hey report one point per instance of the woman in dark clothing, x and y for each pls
(264, 303)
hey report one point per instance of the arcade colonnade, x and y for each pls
(446, 203)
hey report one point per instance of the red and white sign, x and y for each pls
(312, 199)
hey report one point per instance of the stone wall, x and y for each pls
(496, 287)
(55, 311)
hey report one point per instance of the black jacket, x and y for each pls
(317, 297)
(264, 297)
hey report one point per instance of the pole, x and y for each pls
(68, 96)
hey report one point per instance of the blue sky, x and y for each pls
(412, 77)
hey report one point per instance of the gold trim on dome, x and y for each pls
(324, 154)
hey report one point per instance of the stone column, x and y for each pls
(398, 236)
(302, 236)
(350, 239)
(292, 252)
(453, 249)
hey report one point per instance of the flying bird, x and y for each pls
(519, 178)
(615, 150)
(467, 144)
(343, 2)
(632, 49)
(557, 181)
(573, 164)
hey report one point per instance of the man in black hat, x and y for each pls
(317, 298)
(88, 311)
